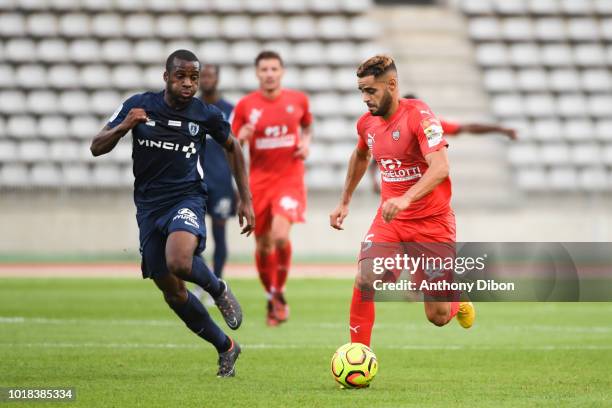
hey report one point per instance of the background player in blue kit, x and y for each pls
(221, 200)
(168, 133)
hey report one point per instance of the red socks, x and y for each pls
(362, 316)
(283, 258)
(454, 308)
(266, 267)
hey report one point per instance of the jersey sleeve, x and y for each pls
(428, 129)
(307, 116)
(361, 142)
(237, 117)
(216, 125)
(450, 128)
(122, 110)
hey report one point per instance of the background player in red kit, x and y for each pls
(407, 142)
(276, 123)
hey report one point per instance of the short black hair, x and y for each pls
(184, 55)
(268, 54)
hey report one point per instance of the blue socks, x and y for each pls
(202, 276)
(197, 319)
(220, 254)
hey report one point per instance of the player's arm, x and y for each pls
(482, 128)
(108, 137)
(358, 165)
(238, 167)
(373, 170)
(303, 147)
(436, 173)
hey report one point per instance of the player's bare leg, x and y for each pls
(265, 259)
(279, 232)
(440, 313)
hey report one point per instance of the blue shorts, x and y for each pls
(221, 202)
(156, 225)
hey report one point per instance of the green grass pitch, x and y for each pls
(118, 344)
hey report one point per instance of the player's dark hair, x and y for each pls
(184, 55)
(377, 65)
(268, 54)
(410, 96)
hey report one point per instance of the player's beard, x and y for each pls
(385, 105)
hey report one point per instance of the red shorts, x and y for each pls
(286, 200)
(432, 237)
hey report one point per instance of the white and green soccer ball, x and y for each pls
(354, 365)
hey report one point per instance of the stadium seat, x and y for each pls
(42, 102)
(21, 126)
(336, 129)
(31, 77)
(228, 78)
(589, 55)
(7, 76)
(345, 79)
(357, 32)
(284, 48)
(523, 128)
(204, 27)
(76, 25)
(594, 179)
(564, 80)
(269, 27)
(116, 51)
(508, 105)
(149, 52)
(74, 103)
(259, 6)
(12, 102)
(2, 128)
(355, 6)
(20, 50)
(33, 150)
(563, 179)
(525, 54)
(540, 105)
(171, 26)
(492, 54)
(532, 80)
(130, 5)
(84, 127)
(476, 7)
(244, 52)
(500, 80)
(107, 26)
(324, 6)
(64, 151)
(76, 175)
(602, 7)
(140, 26)
(63, 77)
(162, 6)
(122, 153)
(586, 154)
(127, 77)
(484, 28)
(532, 179)
(293, 7)
(42, 25)
(325, 104)
(153, 77)
(510, 7)
(97, 6)
(14, 175)
(556, 55)
(603, 130)
(215, 52)
(576, 7)
(352, 105)
(292, 78)
(28, 5)
(523, 154)
(596, 80)
(517, 29)
(8, 151)
(306, 53)
(341, 53)
(52, 50)
(547, 130)
(126, 176)
(105, 102)
(53, 127)
(583, 29)
(236, 27)
(550, 29)
(301, 28)
(84, 51)
(227, 6)
(333, 27)
(555, 154)
(95, 76)
(247, 81)
(12, 25)
(322, 178)
(64, 5)
(606, 29)
(317, 79)
(600, 106)
(579, 130)
(105, 175)
(174, 45)
(572, 105)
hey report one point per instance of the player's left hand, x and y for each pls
(246, 217)
(393, 206)
(303, 150)
(511, 133)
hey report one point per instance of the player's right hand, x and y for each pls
(246, 217)
(336, 218)
(246, 132)
(134, 117)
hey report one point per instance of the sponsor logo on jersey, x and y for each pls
(175, 123)
(158, 144)
(393, 172)
(150, 123)
(433, 131)
(187, 216)
(194, 128)
(275, 137)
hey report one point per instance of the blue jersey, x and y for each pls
(166, 150)
(217, 173)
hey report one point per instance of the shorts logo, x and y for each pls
(367, 242)
(224, 207)
(188, 217)
(288, 203)
(194, 128)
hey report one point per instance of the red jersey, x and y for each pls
(450, 128)
(277, 131)
(399, 146)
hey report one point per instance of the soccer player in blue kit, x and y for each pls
(169, 129)
(221, 199)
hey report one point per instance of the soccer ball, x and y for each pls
(354, 365)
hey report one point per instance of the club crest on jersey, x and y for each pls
(290, 109)
(255, 115)
(194, 128)
(395, 135)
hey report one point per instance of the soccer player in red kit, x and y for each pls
(275, 122)
(407, 142)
